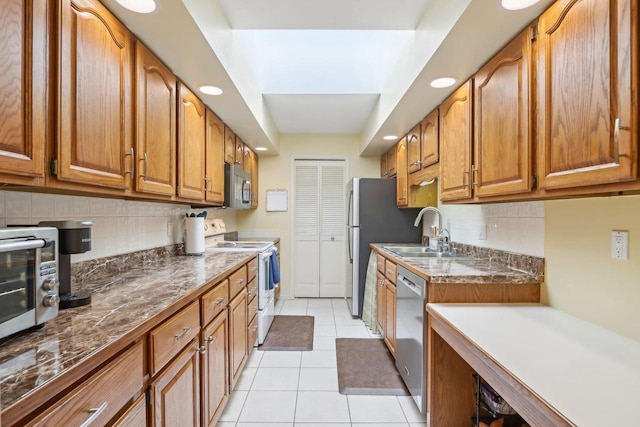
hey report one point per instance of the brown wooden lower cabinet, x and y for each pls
(176, 391)
(237, 337)
(390, 314)
(102, 396)
(381, 302)
(215, 369)
(136, 416)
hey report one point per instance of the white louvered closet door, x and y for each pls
(319, 231)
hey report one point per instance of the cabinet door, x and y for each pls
(247, 158)
(155, 125)
(413, 150)
(390, 314)
(402, 174)
(587, 111)
(136, 415)
(381, 302)
(239, 158)
(191, 143)
(383, 166)
(430, 140)
(254, 180)
(455, 145)
(176, 392)
(95, 120)
(215, 159)
(215, 369)
(502, 115)
(237, 336)
(229, 146)
(391, 162)
(23, 83)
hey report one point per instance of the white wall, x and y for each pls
(275, 173)
(119, 226)
(515, 227)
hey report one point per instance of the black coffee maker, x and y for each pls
(74, 237)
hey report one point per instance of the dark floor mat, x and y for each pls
(290, 333)
(365, 366)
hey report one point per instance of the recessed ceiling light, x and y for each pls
(139, 6)
(443, 82)
(210, 90)
(518, 4)
(261, 148)
(390, 137)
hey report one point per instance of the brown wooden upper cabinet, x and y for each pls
(215, 159)
(95, 97)
(156, 139)
(392, 167)
(402, 185)
(229, 146)
(502, 146)
(383, 166)
(430, 149)
(254, 179)
(587, 115)
(246, 154)
(23, 83)
(413, 149)
(455, 140)
(191, 145)
(239, 158)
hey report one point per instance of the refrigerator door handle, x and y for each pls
(350, 237)
(350, 204)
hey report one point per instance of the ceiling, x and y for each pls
(330, 67)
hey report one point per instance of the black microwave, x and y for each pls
(237, 187)
(29, 290)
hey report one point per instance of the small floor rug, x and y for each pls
(290, 333)
(365, 366)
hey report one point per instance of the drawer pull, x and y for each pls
(209, 339)
(95, 413)
(184, 333)
(219, 301)
(201, 349)
(249, 293)
(240, 281)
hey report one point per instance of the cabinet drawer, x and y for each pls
(252, 309)
(252, 333)
(102, 396)
(380, 263)
(237, 281)
(168, 339)
(214, 301)
(252, 268)
(390, 271)
(252, 288)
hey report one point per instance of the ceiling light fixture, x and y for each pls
(390, 137)
(517, 4)
(210, 90)
(261, 148)
(443, 82)
(138, 6)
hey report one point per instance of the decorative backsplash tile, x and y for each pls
(517, 261)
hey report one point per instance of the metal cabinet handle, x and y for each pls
(219, 301)
(240, 281)
(209, 339)
(249, 293)
(184, 333)
(133, 161)
(207, 187)
(616, 140)
(474, 176)
(201, 349)
(95, 413)
(145, 160)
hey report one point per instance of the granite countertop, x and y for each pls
(475, 267)
(121, 304)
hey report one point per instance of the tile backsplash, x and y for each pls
(119, 226)
(514, 227)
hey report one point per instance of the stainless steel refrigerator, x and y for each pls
(373, 217)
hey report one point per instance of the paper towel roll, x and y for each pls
(194, 235)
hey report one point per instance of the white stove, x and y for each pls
(214, 242)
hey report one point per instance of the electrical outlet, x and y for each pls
(482, 235)
(169, 229)
(619, 244)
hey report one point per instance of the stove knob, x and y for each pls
(50, 285)
(51, 300)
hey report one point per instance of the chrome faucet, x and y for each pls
(442, 240)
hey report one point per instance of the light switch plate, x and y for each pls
(619, 244)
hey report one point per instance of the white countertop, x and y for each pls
(587, 373)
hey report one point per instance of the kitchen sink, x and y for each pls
(420, 252)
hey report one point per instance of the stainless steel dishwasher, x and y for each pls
(411, 294)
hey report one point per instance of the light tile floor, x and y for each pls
(300, 388)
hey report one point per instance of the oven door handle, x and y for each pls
(23, 245)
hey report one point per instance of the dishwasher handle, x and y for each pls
(410, 285)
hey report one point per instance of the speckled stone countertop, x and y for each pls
(478, 266)
(123, 304)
